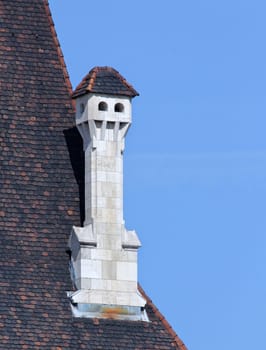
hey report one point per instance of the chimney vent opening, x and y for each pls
(119, 107)
(102, 106)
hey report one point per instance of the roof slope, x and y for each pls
(41, 179)
(104, 80)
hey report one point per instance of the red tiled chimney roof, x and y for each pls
(104, 80)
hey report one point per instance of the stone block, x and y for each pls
(108, 189)
(113, 177)
(101, 284)
(111, 149)
(125, 255)
(112, 242)
(101, 254)
(126, 271)
(85, 253)
(101, 176)
(123, 299)
(125, 286)
(109, 215)
(83, 283)
(96, 298)
(109, 270)
(114, 203)
(104, 163)
(108, 228)
(91, 268)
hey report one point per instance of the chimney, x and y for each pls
(103, 252)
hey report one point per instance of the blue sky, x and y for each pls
(195, 159)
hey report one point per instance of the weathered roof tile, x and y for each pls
(104, 80)
(41, 194)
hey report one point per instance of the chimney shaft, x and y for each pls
(104, 253)
(104, 133)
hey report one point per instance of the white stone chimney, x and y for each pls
(103, 252)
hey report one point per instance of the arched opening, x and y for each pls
(119, 107)
(102, 106)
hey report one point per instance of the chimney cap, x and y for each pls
(104, 80)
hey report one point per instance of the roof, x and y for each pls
(41, 193)
(104, 80)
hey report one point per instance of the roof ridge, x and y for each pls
(59, 50)
(92, 79)
(166, 324)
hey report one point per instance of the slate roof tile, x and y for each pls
(41, 191)
(104, 80)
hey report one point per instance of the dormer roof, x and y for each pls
(104, 80)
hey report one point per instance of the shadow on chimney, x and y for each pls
(76, 154)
